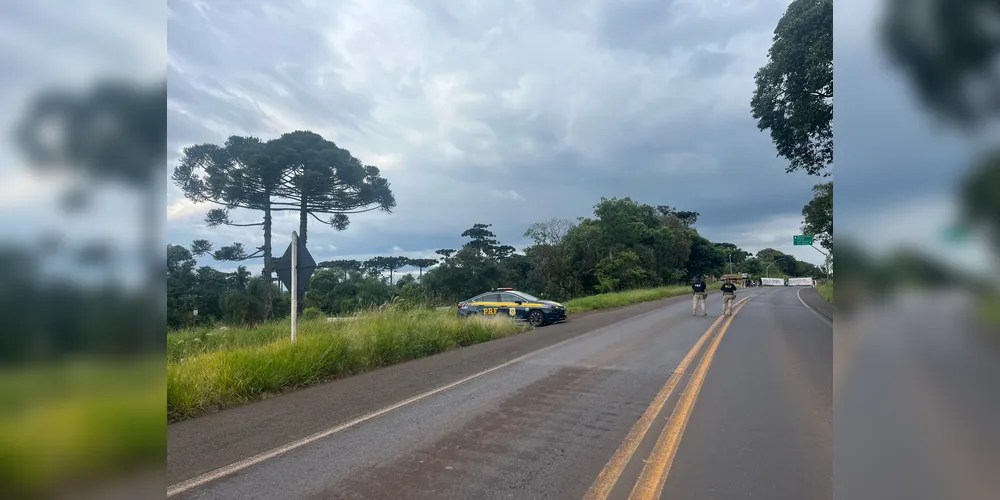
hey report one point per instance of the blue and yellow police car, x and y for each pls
(518, 305)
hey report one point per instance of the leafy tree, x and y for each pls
(730, 250)
(686, 217)
(395, 263)
(623, 271)
(980, 195)
(336, 293)
(323, 179)
(375, 266)
(405, 280)
(201, 247)
(706, 259)
(347, 267)
(422, 264)
(547, 258)
(112, 134)
(550, 232)
(948, 55)
(238, 175)
(445, 253)
(818, 215)
(782, 262)
(752, 266)
(180, 286)
(794, 90)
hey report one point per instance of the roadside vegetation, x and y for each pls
(214, 369)
(76, 420)
(825, 289)
(629, 297)
(228, 342)
(228, 336)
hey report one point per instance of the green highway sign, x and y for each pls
(802, 239)
(955, 233)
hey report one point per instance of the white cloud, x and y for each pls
(185, 211)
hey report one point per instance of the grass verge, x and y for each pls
(825, 289)
(629, 297)
(79, 422)
(208, 370)
(989, 311)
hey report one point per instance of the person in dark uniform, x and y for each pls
(728, 296)
(699, 296)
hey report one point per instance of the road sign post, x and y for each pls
(294, 269)
(294, 275)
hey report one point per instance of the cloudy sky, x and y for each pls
(501, 112)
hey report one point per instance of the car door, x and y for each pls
(476, 304)
(510, 305)
(489, 304)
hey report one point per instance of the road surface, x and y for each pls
(916, 398)
(643, 402)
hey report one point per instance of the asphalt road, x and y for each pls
(916, 400)
(646, 401)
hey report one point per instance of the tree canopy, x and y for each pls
(818, 215)
(793, 98)
(624, 245)
(299, 171)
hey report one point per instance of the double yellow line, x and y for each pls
(657, 466)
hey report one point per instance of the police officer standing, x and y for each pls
(699, 296)
(728, 296)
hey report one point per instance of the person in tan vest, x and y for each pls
(728, 297)
(700, 294)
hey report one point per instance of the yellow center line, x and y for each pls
(654, 473)
(609, 475)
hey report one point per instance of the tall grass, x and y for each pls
(989, 311)
(222, 368)
(628, 297)
(826, 290)
(78, 422)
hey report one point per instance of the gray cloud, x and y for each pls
(505, 113)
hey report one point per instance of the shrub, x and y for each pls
(312, 313)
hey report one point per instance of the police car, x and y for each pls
(510, 302)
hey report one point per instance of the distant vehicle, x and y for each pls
(519, 305)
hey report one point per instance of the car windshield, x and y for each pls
(529, 297)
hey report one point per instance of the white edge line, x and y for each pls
(267, 455)
(281, 450)
(818, 315)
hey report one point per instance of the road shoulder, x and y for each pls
(816, 302)
(205, 443)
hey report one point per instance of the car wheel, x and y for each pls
(536, 318)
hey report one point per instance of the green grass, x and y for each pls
(79, 422)
(216, 369)
(826, 290)
(618, 299)
(989, 311)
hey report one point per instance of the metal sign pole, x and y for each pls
(295, 282)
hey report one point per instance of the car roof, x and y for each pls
(494, 292)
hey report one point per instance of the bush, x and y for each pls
(312, 313)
